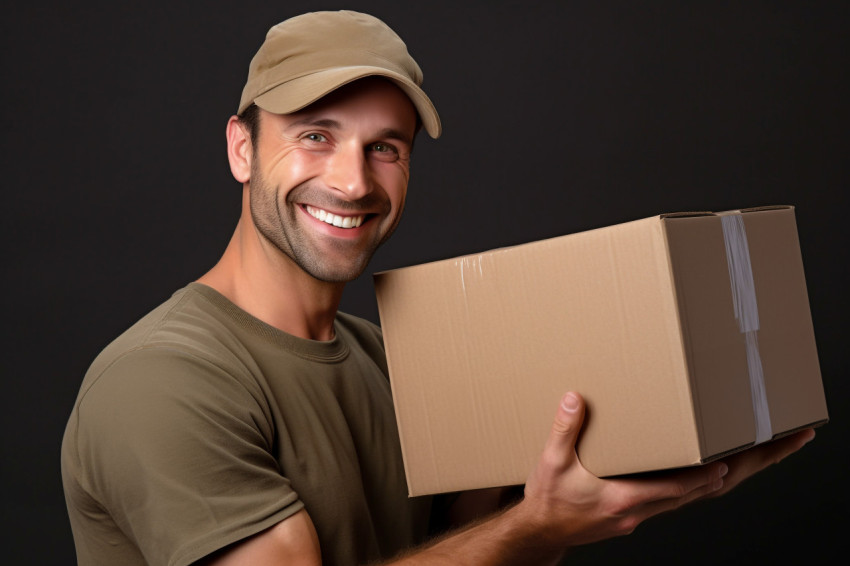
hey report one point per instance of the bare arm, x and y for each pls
(564, 506)
(293, 542)
(476, 504)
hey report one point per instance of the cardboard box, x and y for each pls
(681, 358)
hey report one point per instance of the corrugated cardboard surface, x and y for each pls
(637, 317)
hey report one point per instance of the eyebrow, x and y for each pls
(393, 134)
(320, 122)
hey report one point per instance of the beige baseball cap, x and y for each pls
(308, 56)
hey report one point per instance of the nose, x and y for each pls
(348, 172)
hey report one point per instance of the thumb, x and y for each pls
(560, 446)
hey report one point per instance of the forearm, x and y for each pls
(510, 537)
(469, 507)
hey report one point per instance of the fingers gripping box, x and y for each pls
(689, 336)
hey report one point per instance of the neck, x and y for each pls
(261, 280)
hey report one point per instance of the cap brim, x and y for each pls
(296, 94)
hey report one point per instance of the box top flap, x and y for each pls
(685, 214)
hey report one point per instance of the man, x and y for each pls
(246, 421)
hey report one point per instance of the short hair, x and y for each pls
(250, 118)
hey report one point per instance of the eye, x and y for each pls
(315, 137)
(384, 151)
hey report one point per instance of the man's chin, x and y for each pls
(331, 260)
(335, 272)
(336, 277)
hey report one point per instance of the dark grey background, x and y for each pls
(559, 117)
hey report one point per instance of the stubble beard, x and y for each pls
(277, 222)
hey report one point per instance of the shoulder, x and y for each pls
(191, 320)
(171, 414)
(183, 364)
(190, 329)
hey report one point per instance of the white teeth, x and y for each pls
(334, 220)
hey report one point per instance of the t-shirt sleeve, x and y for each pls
(180, 451)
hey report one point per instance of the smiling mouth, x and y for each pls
(335, 219)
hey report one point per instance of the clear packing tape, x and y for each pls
(747, 315)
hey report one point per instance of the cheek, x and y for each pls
(291, 168)
(296, 168)
(397, 198)
(394, 181)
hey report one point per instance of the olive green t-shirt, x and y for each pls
(201, 425)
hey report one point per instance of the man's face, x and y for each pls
(328, 182)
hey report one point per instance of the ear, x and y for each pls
(239, 150)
